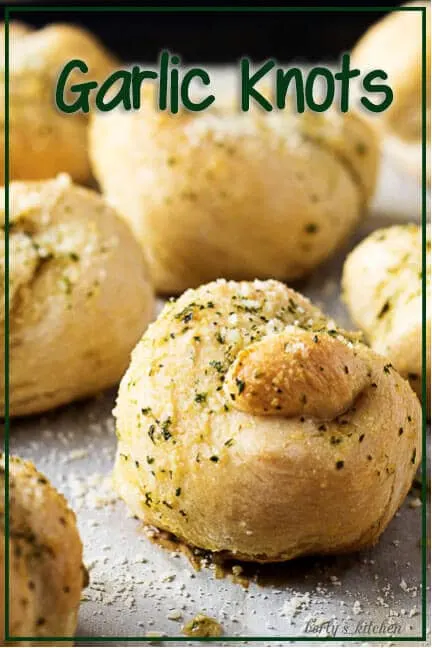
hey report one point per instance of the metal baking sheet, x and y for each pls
(140, 589)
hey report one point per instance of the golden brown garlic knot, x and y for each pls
(297, 373)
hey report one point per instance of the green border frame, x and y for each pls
(8, 10)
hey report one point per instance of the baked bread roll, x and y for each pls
(238, 195)
(382, 287)
(249, 424)
(79, 294)
(46, 574)
(394, 44)
(44, 141)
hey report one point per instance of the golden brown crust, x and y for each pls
(394, 44)
(80, 295)
(288, 374)
(301, 184)
(387, 303)
(46, 575)
(43, 141)
(259, 487)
